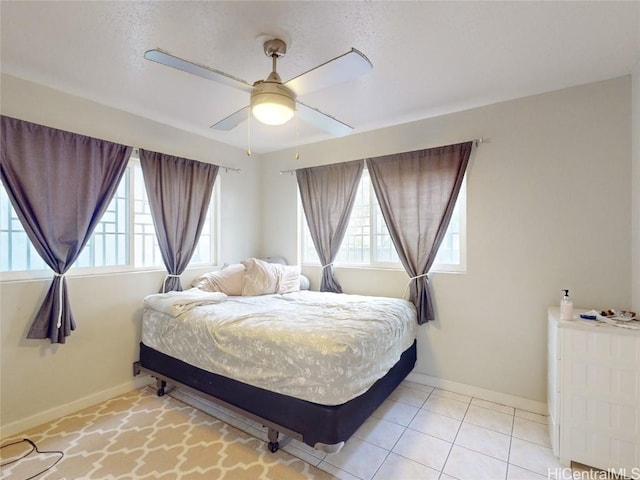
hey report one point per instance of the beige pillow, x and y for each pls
(290, 279)
(261, 278)
(228, 280)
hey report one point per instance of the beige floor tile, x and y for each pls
(422, 448)
(466, 464)
(396, 467)
(531, 431)
(396, 412)
(379, 432)
(417, 386)
(436, 425)
(446, 406)
(485, 441)
(410, 396)
(532, 456)
(483, 417)
(336, 472)
(358, 458)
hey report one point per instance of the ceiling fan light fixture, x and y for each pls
(272, 103)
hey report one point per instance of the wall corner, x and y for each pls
(635, 187)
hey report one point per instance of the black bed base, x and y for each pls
(312, 423)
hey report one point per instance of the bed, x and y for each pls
(310, 365)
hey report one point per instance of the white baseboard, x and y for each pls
(21, 425)
(484, 394)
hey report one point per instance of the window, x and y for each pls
(16, 251)
(108, 244)
(367, 241)
(125, 238)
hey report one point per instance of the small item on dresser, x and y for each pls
(622, 315)
(566, 307)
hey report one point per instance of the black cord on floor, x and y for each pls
(34, 448)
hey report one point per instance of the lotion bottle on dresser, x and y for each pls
(566, 307)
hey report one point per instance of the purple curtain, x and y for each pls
(59, 184)
(328, 193)
(179, 192)
(417, 192)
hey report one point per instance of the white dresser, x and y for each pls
(593, 394)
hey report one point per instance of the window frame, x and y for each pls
(461, 267)
(130, 266)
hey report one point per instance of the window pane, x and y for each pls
(367, 240)
(449, 252)
(384, 251)
(147, 251)
(17, 251)
(101, 249)
(356, 246)
(309, 254)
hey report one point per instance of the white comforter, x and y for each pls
(179, 303)
(322, 347)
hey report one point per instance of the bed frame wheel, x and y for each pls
(161, 385)
(272, 436)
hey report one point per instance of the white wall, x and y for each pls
(635, 189)
(40, 381)
(549, 207)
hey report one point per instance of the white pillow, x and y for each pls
(228, 280)
(290, 279)
(305, 283)
(261, 278)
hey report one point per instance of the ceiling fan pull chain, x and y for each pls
(249, 132)
(297, 138)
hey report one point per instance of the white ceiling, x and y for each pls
(429, 58)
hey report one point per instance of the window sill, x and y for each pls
(40, 275)
(388, 268)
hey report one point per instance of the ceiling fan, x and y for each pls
(273, 102)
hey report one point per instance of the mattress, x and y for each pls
(325, 348)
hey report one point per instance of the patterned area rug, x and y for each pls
(141, 436)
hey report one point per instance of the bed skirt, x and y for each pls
(315, 424)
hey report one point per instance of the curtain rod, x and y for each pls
(136, 150)
(476, 142)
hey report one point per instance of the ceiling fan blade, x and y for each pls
(233, 120)
(340, 69)
(165, 58)
(323, 121)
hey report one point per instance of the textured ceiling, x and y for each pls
(429, 58)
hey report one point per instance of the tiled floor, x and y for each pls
(424, 433)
